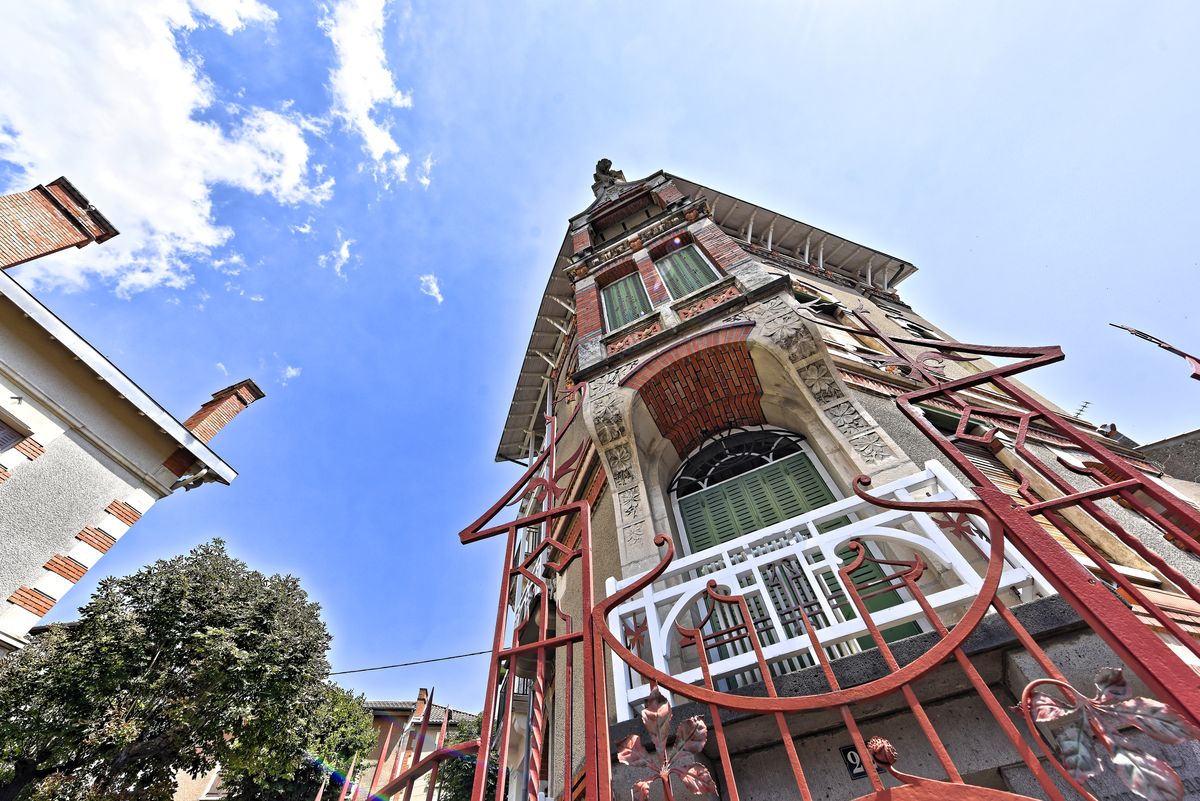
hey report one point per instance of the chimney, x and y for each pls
(224, 406)
(47, 219)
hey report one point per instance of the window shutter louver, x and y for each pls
(685, 271)
(625, 300)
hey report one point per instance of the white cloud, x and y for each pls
(222, 368)
(289, 372)
(423, 172)
(338, 257)
(305, 228)
(131, 141)
(361, 83)
(429, 286)
(256, 298)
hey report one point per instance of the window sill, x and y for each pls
(708, 289)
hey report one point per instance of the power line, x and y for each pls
(409, 664)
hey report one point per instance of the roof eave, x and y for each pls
(112, 375)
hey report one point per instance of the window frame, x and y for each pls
(805, 448)
(649, 307)
(715, 273)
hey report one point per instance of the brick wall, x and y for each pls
(655, 287)
(47, 219)
(224, 406)
(722, 249)
(702, 391)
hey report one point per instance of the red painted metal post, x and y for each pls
(346, 780)
(387, 740)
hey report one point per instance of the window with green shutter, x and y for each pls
(624, 301)
(685, 271)
(781, 483)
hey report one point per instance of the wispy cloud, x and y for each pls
(303, 228)
(221, 367)
(288, 373)
(149, 106)
(429, 286)
(425, 169)
(361, 83)
(338, 257)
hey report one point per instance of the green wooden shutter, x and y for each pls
(624, 301)
(685, 271)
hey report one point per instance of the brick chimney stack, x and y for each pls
(47, 219)
(224, 406)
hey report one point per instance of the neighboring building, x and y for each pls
(1179, 455)
(84, 451)
(724, 414)
(400, 744)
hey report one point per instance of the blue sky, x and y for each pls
(284, 174)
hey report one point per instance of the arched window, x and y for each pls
(744, 481)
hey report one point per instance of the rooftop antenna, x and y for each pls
(1082, 408)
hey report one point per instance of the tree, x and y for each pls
(456, 776)
(189, 663)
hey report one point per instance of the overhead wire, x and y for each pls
(409, 664)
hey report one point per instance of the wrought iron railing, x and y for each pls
(794, 565)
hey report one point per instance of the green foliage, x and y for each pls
(456, 777)
(190, 662)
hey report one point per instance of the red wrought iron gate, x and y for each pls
(1121, 612)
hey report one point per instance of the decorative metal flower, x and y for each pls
(663, 764)
(1085, 746)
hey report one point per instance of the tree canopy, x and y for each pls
(189, 663)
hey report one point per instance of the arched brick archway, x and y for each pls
(704, 384)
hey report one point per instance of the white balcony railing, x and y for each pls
(795, 563)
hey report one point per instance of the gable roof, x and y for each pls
(556, 311)
(108, 372)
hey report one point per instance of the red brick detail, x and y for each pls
(4, 474)
(734, 332)
(580, 240)
(66, 567)
(47, 219)
(615, 272)
(704, 392)
(634, 337)
(655, 287)
(667, 194)
(123, 512)
(224, 406)
(32, 600)
(30, 447)
(180, 461)
(97, 539)
(588, 320)
(721, 249)
(703, 304)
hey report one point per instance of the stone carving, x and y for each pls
(634, 337)
(620, 464)
(605, 174)
(787, 329)
(629, 501)
(704, 304)
(754, 275)
(632, 533)
(820, 382)
(847, 419)
(740, 317)
(872, 448)
(590, 352)
(609, 418)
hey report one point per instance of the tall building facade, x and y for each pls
(84, 451)
(778, 535)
